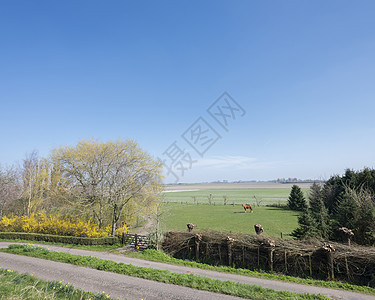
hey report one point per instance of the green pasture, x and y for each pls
(229, 218)
(265, 196)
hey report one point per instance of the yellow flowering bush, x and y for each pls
(41, 223)
(123, 228)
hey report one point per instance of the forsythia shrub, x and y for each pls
(56, 225)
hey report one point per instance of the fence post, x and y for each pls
(123, 238)
(329, 249)
(135, 241)
(198, 239)
(271, 250)
(285, 261)
(330, 262)
(243, 256)
(230, 242)
(270, 246)
(347, 267)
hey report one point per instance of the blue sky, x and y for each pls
(303, 71)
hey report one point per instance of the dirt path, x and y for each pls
(273, 284)
(145, 229)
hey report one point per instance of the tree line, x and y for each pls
(108, 182)
(343, 204)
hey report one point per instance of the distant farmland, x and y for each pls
(237, 193)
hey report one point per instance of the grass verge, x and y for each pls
(75, 246)
(194, 281)
(22, 286)
(158, 256)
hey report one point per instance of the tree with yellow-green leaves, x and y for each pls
(107, 178)
(35, 178)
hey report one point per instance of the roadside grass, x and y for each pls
(158, 256)
(189, 280)
(22, 286)
(75, 246)
(238, 196)
(229, 218)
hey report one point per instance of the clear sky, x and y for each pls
(301, 73)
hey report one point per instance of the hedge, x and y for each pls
(59, 239)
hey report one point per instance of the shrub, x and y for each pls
(55, 225)
(58, 239)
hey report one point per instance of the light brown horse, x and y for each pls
(190, 227)
(247, 206)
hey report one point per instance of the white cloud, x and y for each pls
(232, 162)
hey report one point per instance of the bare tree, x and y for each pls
(258, 201)
(10, 187)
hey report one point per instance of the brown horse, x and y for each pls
(190, 227)
(247, 206)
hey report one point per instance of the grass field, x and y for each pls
(229, 218)
(264, 194)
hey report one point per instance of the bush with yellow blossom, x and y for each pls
(57, 225)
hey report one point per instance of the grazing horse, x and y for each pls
(247, 206)
(258, 229)
(190, 227)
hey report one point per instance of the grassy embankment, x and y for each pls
(158, 256)
(17, 286)
(75, 246)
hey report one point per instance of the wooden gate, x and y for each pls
(136, 240)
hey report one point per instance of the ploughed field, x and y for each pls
(203, 205)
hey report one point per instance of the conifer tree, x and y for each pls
(307, 226)
(318, 210)
(357, 212)
(296, 200)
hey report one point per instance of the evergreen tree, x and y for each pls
(307, 226)
(296, 200)
(346, 211)
(357, 212)
(318, 211)
(331, 192)
(314, 220)
(343, 201)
